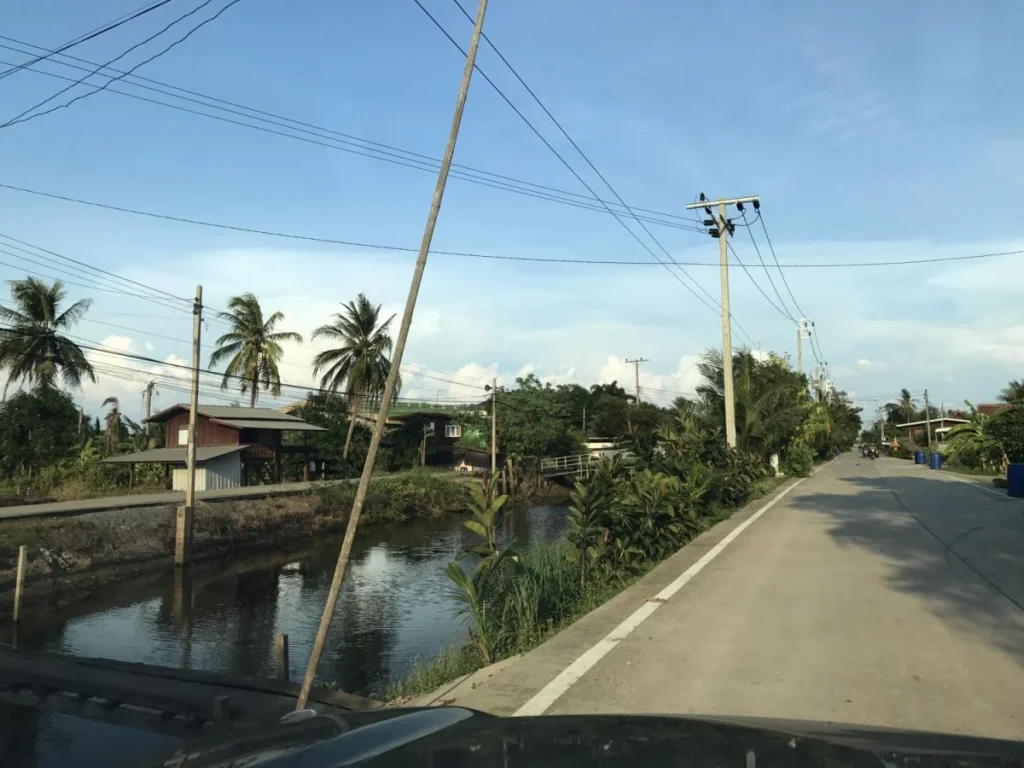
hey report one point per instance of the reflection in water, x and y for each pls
(392, 609)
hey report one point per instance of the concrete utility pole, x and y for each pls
(721, 229)
(396, 363)
(803, 331)
(636, 376)
(927, 419)
(147, 393)
(881, 419)
(183, 529)
(494, 427)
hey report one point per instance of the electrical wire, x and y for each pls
(760, 217)
(90, 286)
(760, 290)
(102, 30)
(129, 282)
(316, 130)
(376, 154)
(713, 306)
(470, 254)
(768, 274)
(24, 117)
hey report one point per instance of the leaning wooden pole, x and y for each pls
(396, 362)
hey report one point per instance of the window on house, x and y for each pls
(183, 436)
(453, 430)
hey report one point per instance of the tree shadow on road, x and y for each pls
(958, 548)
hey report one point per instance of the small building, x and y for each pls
(234, 445)
(438, 431)
(441, 431)
(473, 462)
(601, 447)
(991, 409)
(916, 430)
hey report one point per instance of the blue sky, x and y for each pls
(872, 132)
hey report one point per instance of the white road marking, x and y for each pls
(550, 693)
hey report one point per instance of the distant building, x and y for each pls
(991, 409)
(916, 430)
(233, 445)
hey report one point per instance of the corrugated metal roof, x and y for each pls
(227, 412)
(172, 455)
(231, 412)
(292, 425)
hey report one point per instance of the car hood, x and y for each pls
(452, 736)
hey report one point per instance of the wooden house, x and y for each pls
(234, 445)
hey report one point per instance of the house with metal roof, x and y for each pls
(234, 445)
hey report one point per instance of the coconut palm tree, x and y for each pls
(33, 349)
(767, 400)
(1013, 393)
(907, 404)
(974, 440)
(360, 365)
(253, 346)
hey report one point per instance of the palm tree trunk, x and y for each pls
(252, 396)
(356, 404)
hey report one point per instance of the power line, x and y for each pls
(429, 165)
(93, 268)
(760, 217)
(99, 348)
(756, 284)
(564, 162)
(90, 286)
(353, 140)
(121, 20)
(768, 273)
(25, 116)
(474, 255)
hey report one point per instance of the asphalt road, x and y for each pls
(875, 592)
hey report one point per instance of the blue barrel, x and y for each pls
(936, 461)
(1015, 480)
(919, 457)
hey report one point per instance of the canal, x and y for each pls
(393, 608)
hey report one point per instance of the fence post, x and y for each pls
(281, 657)
(19, 580)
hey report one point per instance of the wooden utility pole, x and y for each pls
(721, 230)
(927, 419)
(183, 532)
(396, 363)
(636, 377)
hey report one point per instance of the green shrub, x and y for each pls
(420, 493)
(799, 461)
(906, 449)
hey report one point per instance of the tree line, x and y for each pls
(41, 427)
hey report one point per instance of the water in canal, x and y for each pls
(393, 607)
